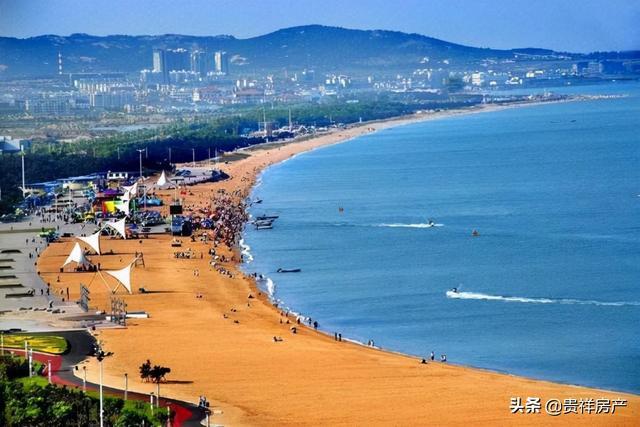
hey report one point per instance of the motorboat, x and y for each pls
(288, 270)
(263, 224)
(267, 217)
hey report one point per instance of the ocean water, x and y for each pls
(549, 289)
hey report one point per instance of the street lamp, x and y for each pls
(22, 154)
(84, 378)
(100, 355)
(158, 394)
(126, 385)
(140, 152)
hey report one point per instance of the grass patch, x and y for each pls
(44, 343)
(36, 381)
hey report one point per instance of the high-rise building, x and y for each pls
(222, 62)
(159, 60)
(160, 64)
(201, 62)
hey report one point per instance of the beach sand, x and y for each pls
(308, 378)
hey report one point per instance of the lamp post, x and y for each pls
(26, 354)
(49, 370)
(126, 385)
(2, 342)
(84, 378)
(193, 154)
(101, 400)
(30, 362)
(140, 153)
(151, 402)
(100, 355)
(22, 154)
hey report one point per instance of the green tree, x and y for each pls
(145, 370)
(130, 418)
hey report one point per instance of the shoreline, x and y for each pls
(233, 388)
(277, 303)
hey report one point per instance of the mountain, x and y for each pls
(329, 49)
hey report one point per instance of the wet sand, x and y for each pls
(230, 356)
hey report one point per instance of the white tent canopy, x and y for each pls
(119, 227)
(130, 191)
(93, 241)
(123, 276)
(77, 256)
(123, 207)
(162, 180)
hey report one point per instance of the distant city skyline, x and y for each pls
(576, 26)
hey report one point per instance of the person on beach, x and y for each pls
(432, 356)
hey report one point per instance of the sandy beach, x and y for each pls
(221, 345)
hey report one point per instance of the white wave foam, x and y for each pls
(246, 252)
(270, 287)
(480, 296)
(425, 225)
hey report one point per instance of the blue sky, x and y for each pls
(570, 25)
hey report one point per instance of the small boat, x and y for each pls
(475, 233)
(264, 224)
(288, 270)
(257, 201)
(267, 217)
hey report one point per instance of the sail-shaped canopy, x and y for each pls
(77, 256)
(119, 227)
(162, 180)
(93, 241)
(123, 206)
(130, 191)
(123, 276)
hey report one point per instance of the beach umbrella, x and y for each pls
(123, 276)
(77, 256)
(119, 227)
(93, 241)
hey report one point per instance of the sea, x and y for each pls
(382, 229)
